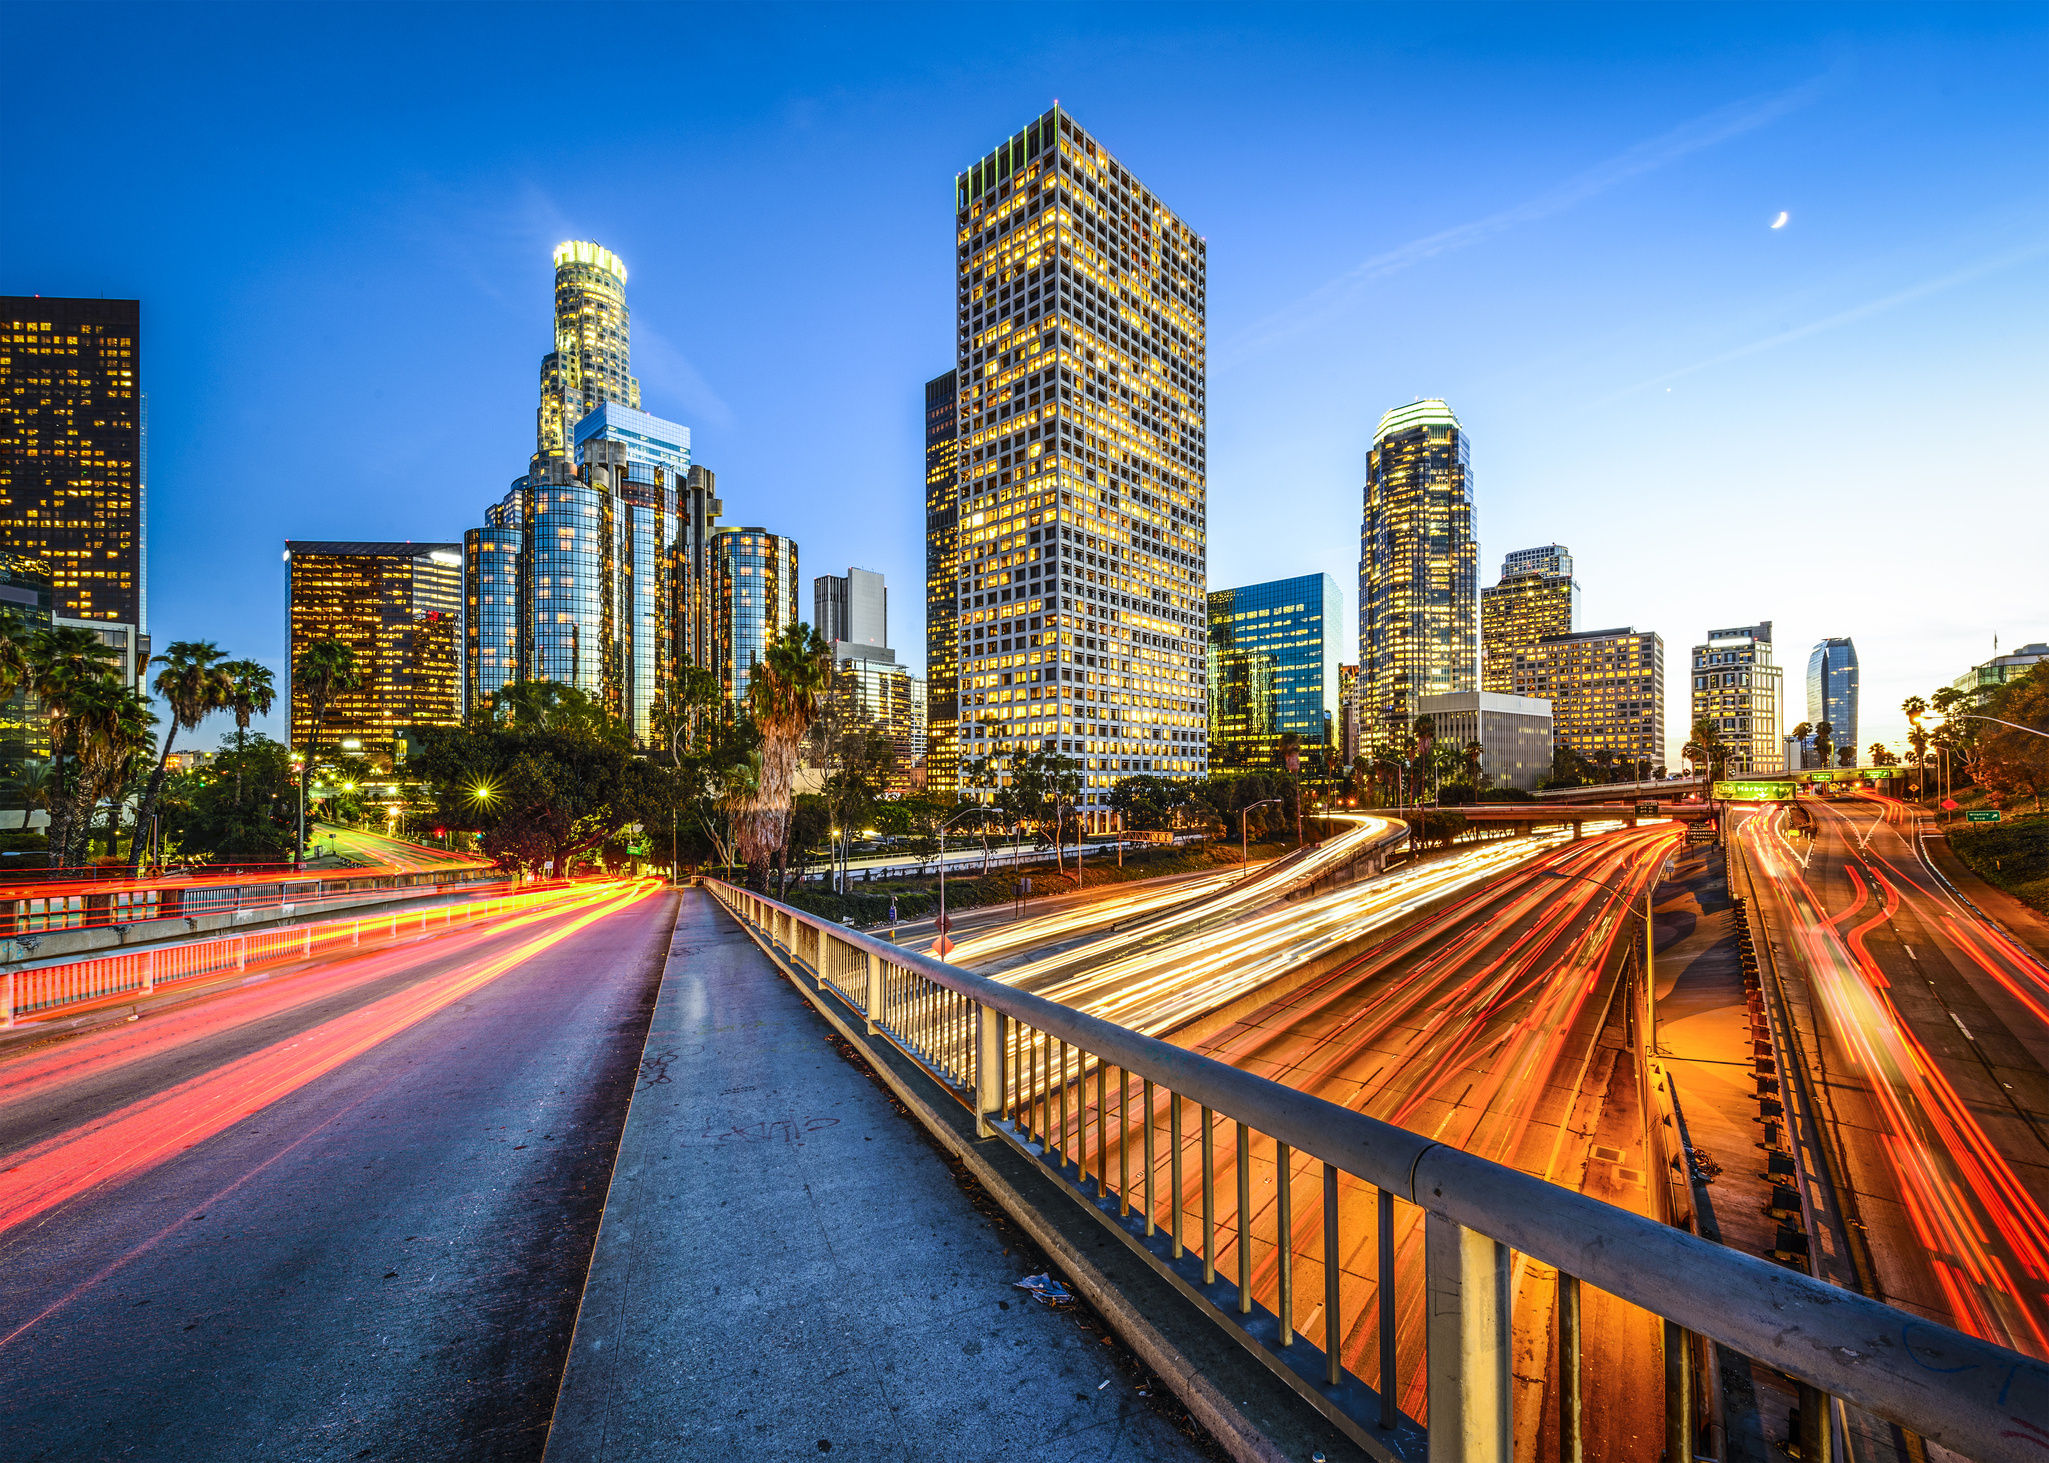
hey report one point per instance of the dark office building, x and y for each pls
(1269, 649)
(73, 450)
(942, 562)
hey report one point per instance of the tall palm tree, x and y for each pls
(63, 666)
(783, 695)
(16, 636)
(1917, 737)
(1824, 742)
(110, 725)
(324, 671)
(194, 685)
(30, 781)
(250, 693)
(1707, 749)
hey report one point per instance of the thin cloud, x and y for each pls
(659, 364)
(1846, 317)
(1344, 292)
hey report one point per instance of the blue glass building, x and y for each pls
(757, 596)
(1271, 667)
(1832, 691)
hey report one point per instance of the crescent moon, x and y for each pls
(1780, 221)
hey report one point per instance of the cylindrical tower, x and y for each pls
(593, 345)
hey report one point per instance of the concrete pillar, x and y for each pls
(1469, 1344)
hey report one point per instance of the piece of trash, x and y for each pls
(1045, 1290)
(1102, 1384)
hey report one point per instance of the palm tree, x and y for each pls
(1801, 732)
(30, 781)
(194, 686)
(1824, 742)
(250, 692)
(1707, 749)
(1917, 737)
(783, 694)
(16, 636)
(325, 670)
(110, 726)
(63, 665)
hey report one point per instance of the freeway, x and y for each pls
(342, 1211)
(393, 853)
(1500, 1025)
(1925, 1032)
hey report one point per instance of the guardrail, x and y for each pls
(38, 910)
(44, 988)
(1022, 1064)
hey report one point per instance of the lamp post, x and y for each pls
(943, 947)
(1650, 985)
(1244, 819)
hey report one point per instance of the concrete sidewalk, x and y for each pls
(787, 1268)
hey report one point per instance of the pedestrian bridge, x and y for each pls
(1162, 1147)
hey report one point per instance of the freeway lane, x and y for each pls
(343, 1214)
(1926, 1034)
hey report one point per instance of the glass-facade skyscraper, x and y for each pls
(1269, 652)
(1832, 690)
(491, 599)
(942, 589)
(1537, 596)
(593, 345)
(757, 600)
(1418, 565)
(1077, 535)
(74, 453)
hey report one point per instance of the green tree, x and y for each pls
(65, 667)
(1824, 744)
(194, 685)
(1146, 802)
(325, 670)
(554, 706)
(1917, 738)
(1706, 750)
(2013, 763)
(1880, 757)
(110, 728)
(783, 695)
(250, 694)
(243, 813)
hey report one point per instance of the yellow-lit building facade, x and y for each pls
(1536, 597)
(73, 453)
(1737, 686)
(1078, 564)
(1418, 566)
(942, 596)
(398, 606)
(1607, 694)
(590, 364)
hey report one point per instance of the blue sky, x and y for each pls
(339, 222)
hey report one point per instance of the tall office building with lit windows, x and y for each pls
(1832, 690)
(74, 447)
(1269, 667)
(757, 600)
(1418, 565)
(942, 589)
(593, 345)
(491, 603)
(1736, 686)
(1077, 537)
(397, 606)
(1607, 694)
(1537, 597)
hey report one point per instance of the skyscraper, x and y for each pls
(1607, 695)
(1079, 547)
(74, 449)
(593, 345)
(852, 608)
(1537, 596)
(1418, 565)
(397, 606)
(1269, 653)
(942, 589)
(757, 600)
(1736, 686)
(492, 581)
(1832, 690)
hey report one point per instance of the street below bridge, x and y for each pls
(341, 1211)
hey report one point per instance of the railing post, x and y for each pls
(1469, 1344)
(1816, 1427)
(1569, 1414)
(1679, 1394)
(242, 952)
(873, 1004)
(988, 1066)
(7, 1003)
(149, 972)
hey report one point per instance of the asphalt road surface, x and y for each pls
(344, 1214)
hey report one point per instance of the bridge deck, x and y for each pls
(786, 1263)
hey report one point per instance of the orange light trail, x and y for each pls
(152, 1129)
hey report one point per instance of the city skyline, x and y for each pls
(1683, 145)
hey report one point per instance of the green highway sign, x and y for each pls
(1752, 792)
(1982, 815)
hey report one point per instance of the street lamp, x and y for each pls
(1650, 984)
(1244, 819)
(943, 946)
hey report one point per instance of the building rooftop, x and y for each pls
(1430, 412)
(370, 549)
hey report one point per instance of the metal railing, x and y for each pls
(1025, 1066)
(41, 989)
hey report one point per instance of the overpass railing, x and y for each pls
(43, 989)
(1024, 1066)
